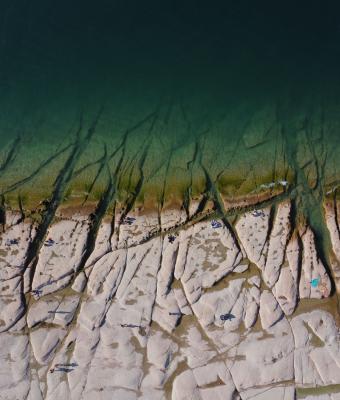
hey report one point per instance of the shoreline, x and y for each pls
(159, 299)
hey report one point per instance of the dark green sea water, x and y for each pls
(245, 91)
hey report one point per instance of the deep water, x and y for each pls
(247, 90)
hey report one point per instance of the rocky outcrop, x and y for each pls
(164, 308)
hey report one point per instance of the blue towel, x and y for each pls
(315, 282)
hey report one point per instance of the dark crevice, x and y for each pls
(300, 257)
(163, 191)
(102, 164)
(322, 250)
(271, 220)
(336, 211)
(40, 168)
(206, 195)
(22, 211)
(309, 198)
(112, 223)
(11, 155)
(103, 205)
(188, 192)
(63, 179)
(218, 204)
(95, 221)
(118, 148)
(133, 195)
(2, 213)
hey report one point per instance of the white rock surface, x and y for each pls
(56, 310)
(44, 343)
(270, 310)
(312, 268)
(331, 214)
(252, 306)
(209, 308)
(183, 248)
(58, 260)
(190, 384)
(139, 230)
(280, 392)
(286, 288)
(14, 366)
(14, 242)
(277, 244)
(198, 351)
(252, 229)
(182, 317)
(103, 244)
(317, 349)
(212, 255)
(263, 358)
(333, 227)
